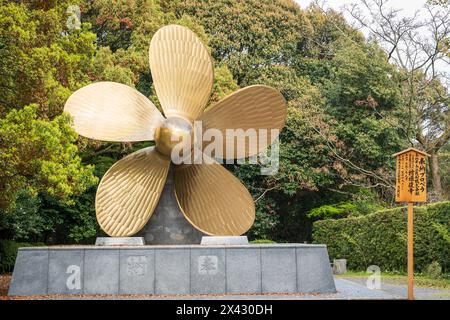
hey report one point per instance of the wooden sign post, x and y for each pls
(410, 187)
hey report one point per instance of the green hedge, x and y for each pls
(380, 238)
(8, 253)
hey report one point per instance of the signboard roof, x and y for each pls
(411, 149)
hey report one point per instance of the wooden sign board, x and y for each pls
(411, 179)
(411, 186)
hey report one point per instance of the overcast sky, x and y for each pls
(409, 6)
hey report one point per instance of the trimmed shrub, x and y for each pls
(332, 211)
(8, 253)
(380, 238)
(434, 270)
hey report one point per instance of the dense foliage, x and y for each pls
(345, 108)
(380, 238)
(8, 253)
(39, 156)
(332, 80)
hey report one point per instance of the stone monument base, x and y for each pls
(173, 269)
(167, 224)
(119, 241)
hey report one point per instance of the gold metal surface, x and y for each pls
(213, 200)
(210, 197)
(254, 107)
(172, 132)
(111, 111)
(182, 71)
(129, 192)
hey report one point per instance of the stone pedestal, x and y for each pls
(226, 241)
(168, 224)
(119, 241)
(175, 269)
(339, 266)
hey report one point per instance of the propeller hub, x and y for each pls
(173, 131)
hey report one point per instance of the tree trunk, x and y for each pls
(435, 175)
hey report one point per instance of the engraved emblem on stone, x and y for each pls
(207, 265)
(137, 266)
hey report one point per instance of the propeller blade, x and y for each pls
(111, 111)
(213, 200)
(129, 192)
(182, 71)
(254, 107)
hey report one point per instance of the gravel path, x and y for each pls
(400, 291)
(347, 289)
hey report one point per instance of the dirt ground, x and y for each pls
(347, 288)
(4, 285)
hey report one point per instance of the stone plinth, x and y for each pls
(339, 266)
(226, 241)
(168, 224)
(119, 241)
(174, 269)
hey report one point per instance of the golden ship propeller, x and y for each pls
(210, 197)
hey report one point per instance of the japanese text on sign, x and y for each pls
(411, 183)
